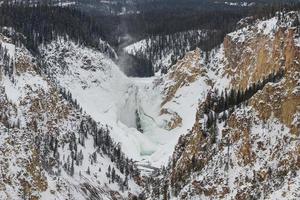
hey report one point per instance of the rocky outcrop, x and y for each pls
(175, 120)
(182, 75)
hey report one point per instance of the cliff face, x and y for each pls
(282, 100)
(255, 52)
(254, 152)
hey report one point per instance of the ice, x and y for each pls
(11, 49)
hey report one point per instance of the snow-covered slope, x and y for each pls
(92, 78)
(49, 149)
(165, 50)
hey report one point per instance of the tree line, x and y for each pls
(41, 24)
(225, 103)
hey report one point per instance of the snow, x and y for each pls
(81, 176)
(293, 184)
(65, 4)
(15, 90)
(271, 133)
(11, 49)
(13, 94)
(162, 140)
(138, 46)
(142, 45)
(163, 59)
(268, 27)
(297, 41)
(216, 67)
(186, 105)
(111, 98)
(18, 95)
(242, 4)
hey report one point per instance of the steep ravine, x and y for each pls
(110, 97)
